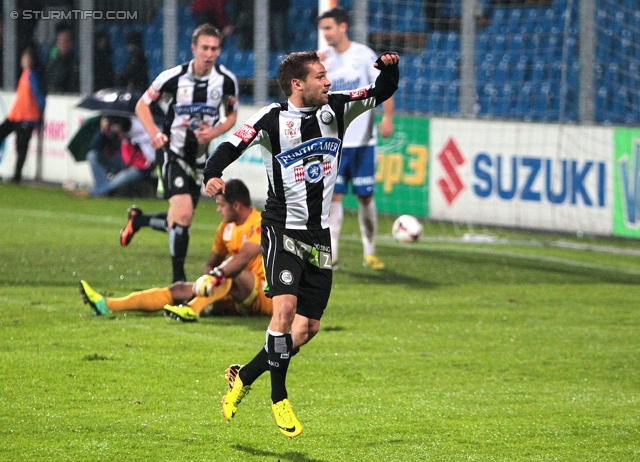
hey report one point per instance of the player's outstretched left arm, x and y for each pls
(387, 81)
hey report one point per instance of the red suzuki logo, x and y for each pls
(450, 158)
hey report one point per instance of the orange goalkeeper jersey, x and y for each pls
(230, 238)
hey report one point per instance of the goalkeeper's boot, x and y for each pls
(236, 392)
(287, 422)
(180, 313)
(93, 298)
(372, 262)
(133, 225)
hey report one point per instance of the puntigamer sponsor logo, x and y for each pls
(200, 109)
(318, 146)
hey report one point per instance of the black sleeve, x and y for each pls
(221, 158)
(387, 81)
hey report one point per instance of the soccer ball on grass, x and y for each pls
(406, 228)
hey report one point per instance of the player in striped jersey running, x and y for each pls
(300, 140)
(194, 92)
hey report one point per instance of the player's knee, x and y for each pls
(365, 200)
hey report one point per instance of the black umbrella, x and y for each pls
(118, 102)
(110, 101)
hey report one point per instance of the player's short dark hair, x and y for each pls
(207, 30)
(236, 191)
(340, 15)
(295, 66)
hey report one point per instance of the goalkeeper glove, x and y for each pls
(204, 285)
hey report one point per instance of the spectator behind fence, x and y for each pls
(135, 73)
(103, 76)
(27, 109)
(121, 155)
(212, 12)
(244, 20)
(62, 69)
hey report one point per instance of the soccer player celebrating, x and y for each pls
(350, 65)
(300, 141)
(194, 92)
(232, 278)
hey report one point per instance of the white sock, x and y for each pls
(368, 220)
(336, 213)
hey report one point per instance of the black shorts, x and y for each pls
(298, 262)
(180, 178)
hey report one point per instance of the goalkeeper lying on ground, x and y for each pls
(229, 285)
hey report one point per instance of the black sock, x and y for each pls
(255, 368)
(157, 221)
(280, 347)
(178, 244)
(259, 365)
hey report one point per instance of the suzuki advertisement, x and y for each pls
(545, 177)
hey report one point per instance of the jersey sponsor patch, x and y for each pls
(291, 129)
(196, 109)
(314, 147)
(152, 93)
(245, 133)
(361, 93)
(184, 95)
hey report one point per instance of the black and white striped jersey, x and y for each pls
(301, 149)
(190, 101)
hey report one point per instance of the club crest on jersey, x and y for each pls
(313, 172)
(360, 93)
(326, 117)
(245, 133)
(315, 147)
(215, 94)
(178, 182)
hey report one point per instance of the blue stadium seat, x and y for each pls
(518, 72)
(417, 96)
(523, 101)
(531, 18)
(555, 71)
(541, 109)
(452, 42)
(515, 47)
(435, 98)
(515, 17)
(539, 71)
(452, 98)
(500, 74)
(500, 43)
(603, 104)
(498, 23)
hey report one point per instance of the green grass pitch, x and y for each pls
(518, 351)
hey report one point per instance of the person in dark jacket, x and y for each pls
(135, 73)
(62, 68)
(103, 76)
